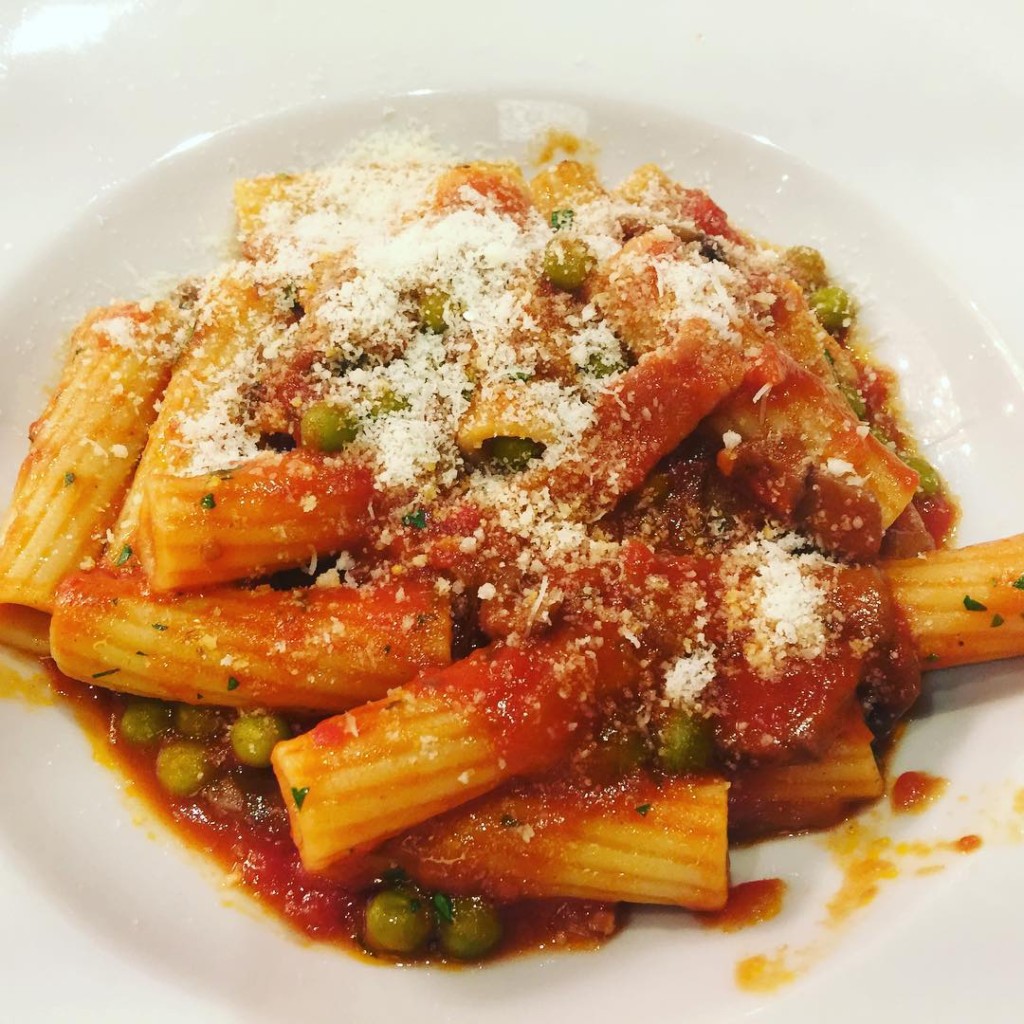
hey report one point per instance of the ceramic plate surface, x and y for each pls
(889, 139)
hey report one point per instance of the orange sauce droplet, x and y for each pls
(967, 844)
(749, 903)
(866, 860)
(860, 885)
(762, 973)
(912, 792)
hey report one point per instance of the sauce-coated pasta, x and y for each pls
(471, 555)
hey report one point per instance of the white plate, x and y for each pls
(102, 922)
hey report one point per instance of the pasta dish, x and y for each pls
(470, 555)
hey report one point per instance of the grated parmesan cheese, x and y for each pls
(776, 601)
(688, 676)
(701, 288)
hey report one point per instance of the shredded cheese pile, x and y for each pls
(352, 247)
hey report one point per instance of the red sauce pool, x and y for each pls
(253, 845)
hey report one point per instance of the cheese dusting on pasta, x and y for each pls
(518, 525)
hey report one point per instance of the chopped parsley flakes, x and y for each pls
(561, 219)
(443, 905)
(417, 519)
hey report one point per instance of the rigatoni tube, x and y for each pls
(441, 741)
(85, 448)
(964, 605)
(275, 512)
(640, 840)
(811, 794)
(321, 648)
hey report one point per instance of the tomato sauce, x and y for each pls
(541, 702)
(763, 973)
(241, 822)
(939, 513)
(749, 904)
(912, 792)
(968, 844)
(242, 825)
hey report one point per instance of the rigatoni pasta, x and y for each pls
(321, 649)
(469, 543)
(641, 841)
(85, 446)
(965, 605)
(808, 794)
(501, 713)
(277, 511)
(25, 629)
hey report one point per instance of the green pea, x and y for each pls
(619, 751)
(599, 366)
(474, 929)
(853, 398)
(511, 454)
(145, 721)
(686, 743)
(195, 722)
(882, 437)
(398, 921)
(388, 403)
(833, 308)
(182, 767)
(806, 266)
(433, 308)
(929, 482)
(568, 263)
(327, 428)
(254, 734)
